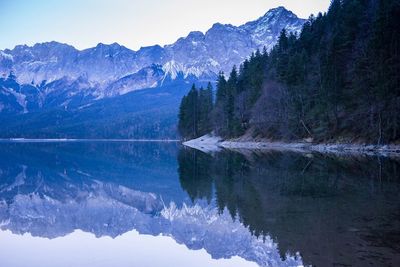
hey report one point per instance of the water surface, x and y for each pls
(159, 204)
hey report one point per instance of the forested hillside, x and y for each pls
(144, 114)
(194, 112)
(338, 80)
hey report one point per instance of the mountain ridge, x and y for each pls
(194, 54)
(57, 78)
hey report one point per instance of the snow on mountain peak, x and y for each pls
(111, 66)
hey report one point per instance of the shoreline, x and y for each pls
(72, 140)
(210, 143)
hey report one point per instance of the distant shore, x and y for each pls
(62, 140)
(209, 143)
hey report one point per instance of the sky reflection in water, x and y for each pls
(165, 205)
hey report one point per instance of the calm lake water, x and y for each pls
(159, 204)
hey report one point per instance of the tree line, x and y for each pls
(246, 185)
(194, 112)
(338, 79)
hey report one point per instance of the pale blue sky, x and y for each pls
(133, 23)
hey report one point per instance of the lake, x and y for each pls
(161, 204)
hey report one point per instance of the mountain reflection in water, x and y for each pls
(109, 189)
(334, 210)
(265, 208)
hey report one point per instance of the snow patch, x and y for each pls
(6, 56)
(211, 143)
(207, 143)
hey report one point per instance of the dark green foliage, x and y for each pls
(337, 81)
(219, 115)
(194, 173)
(205, 106)
(237, 95)
(271, 192)
(194, 112)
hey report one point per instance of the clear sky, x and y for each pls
(133, 23)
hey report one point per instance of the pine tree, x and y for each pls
(338, 79)
(219, 115)
(195, 112)
(182, 118)
(230, 104)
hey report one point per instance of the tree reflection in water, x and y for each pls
(332, 209)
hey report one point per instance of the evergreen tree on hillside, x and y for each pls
(219, 114)
(182, 118)
(188, 114)
(205, 106)
(194, 112)
(338, 80)
(232, 121)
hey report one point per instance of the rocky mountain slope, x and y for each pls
(197, 54)
(52, 75)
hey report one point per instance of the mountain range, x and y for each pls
(54, 77)
(56, 189)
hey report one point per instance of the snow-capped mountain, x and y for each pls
(108, 209)
(52, 90)
(148, 77)
(115, 70)
(51, 190)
